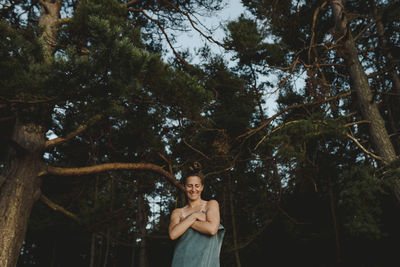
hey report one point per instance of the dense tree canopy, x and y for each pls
(98, 126)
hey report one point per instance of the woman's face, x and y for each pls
(193, 187)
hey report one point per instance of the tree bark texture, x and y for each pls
(385, 48)
(335, 227)
(142, 222)
(93, 243)
(49, 20)
(20, 190)
(107, 252)
(359, 84)
(384, 43)
(234, 228)
(24, 165)
(115, 166)
(92, 250)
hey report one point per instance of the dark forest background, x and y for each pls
(98, 125)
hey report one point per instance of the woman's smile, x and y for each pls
(194, 187)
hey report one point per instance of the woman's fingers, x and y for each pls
(201, 216)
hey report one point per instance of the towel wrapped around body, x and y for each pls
(195, 249)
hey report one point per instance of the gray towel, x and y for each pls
(195, 249)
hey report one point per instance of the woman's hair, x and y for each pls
(194, 170)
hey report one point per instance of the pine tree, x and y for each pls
(71, 68)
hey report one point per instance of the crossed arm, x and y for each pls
(203, 223)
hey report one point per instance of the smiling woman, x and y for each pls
(197, 225)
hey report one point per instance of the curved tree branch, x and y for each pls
(44, 5)
(208, 37)
(363, 148)
(131, 3)
(57, 207)
(163, 32)
(265, 123)
(196, 150)
(316, 12)
(252, 237)
(81, 128)
(112, 167)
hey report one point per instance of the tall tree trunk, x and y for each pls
(142, 222)
(108, 238)
(108, 235)
(234, 228)
(24, 165)
(49, 21)
(333, 213)
(100, 249)
(359, 83)
(392, 70)
(92, 250)
(54, 254)
(93, 243)
(133, 253)
(20, 189)
(385, 47)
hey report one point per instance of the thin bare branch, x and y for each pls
(57, 207)
(313, 28)
(163, 32)
(196, 150)
(363, 148)
(265, 124)
(81, 128)
(293, 220)
(363, 30)
(132, 2)
(230, 167)
(356, 123)
(208, 37)
(275, 130)
(251, 238)
(166, 161)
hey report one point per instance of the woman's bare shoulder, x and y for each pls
(212, 203)
(177, 211)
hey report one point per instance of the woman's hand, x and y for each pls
(200, 216)
(208, 223)
(177, 226)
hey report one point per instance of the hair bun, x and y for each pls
(196, 167)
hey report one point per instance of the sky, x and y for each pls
(192, 40)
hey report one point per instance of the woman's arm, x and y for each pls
(178, 227)
(211, 223)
